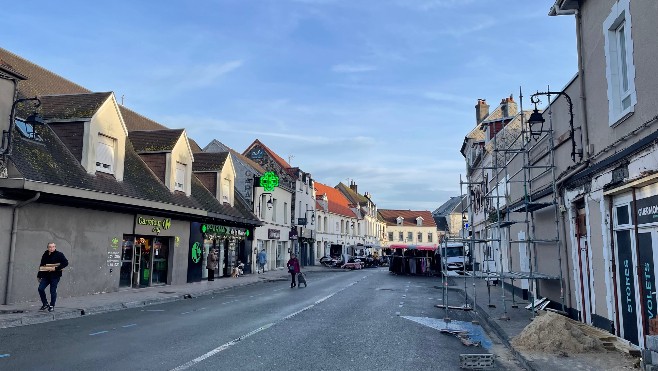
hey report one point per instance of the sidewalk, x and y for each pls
(28, 313)
(508, 324)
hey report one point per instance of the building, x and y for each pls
(337, 223)
(409, 227)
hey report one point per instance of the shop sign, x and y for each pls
(158, 225)
(292, 235)
(647, 210)
(113, 253)
(220, 230)
(196, 252)
(273, 234)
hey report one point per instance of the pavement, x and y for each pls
(504, 321)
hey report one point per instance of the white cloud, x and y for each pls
(352, 68)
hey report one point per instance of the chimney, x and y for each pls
(481, 110)
(353, 186)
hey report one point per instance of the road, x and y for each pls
(344, 320)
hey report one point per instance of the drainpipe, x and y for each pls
(12, 244)
(581, 75)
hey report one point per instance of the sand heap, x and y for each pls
(553, 333)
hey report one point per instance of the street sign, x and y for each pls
(301, 221)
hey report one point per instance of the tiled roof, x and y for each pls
(338, 204)
(61, 107)
(154, 140)
(217, 146)
(448, 206)
(354, 197)
(390, 216)
(40, 81)
(207, 201)
(272, 154)
(135, 121)
(209, 161)
(194, 146)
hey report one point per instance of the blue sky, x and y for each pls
(381, 92)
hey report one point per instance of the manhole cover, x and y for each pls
(167, 292)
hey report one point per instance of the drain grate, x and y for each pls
(476, 361)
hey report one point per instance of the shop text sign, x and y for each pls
(158, 224)
(647, 210)
(273, 234)
(220, 230)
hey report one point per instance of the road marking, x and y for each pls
(221, 348)
(98, 333)
(4, 355)
(235, 341)
(155, 310)
(130, 325)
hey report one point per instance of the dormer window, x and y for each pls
(179, 183)
(419, 221)
(27, 130)
(400, 220)
(105, 148)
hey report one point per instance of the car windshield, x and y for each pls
(452, 252)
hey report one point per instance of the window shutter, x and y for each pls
(105, 154)
(179, 184)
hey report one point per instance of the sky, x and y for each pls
(379, 92)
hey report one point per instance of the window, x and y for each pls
(430, 237)
(410, 236)
(390, 236)
(400, 236)
(179, 182)
(400, 220)
(105, 154)
(420, 237)
(27, 130)
(285, 213)
(274, 201)
(226, 187)
(620, 70)
(419, 221)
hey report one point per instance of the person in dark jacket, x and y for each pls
(293, 268)
(50, 272)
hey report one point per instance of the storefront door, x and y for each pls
(144, 261)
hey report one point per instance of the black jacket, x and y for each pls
(55, 257)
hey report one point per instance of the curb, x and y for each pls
(69, 313)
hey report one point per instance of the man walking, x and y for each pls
(50, 271)
(262, 259)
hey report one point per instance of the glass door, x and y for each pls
(125, 275)
(160, 260)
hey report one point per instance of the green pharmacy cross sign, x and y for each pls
(196, 252)
(269, 181)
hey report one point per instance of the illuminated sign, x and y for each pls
(220, 230)
(158, 224)
(269, 181)
(196, 252)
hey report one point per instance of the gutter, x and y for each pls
(12, 244)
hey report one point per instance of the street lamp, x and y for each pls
(312, 215)
(536, 118)
(269, 202)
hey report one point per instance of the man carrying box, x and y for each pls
(50, 271)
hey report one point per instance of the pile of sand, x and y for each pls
(553, 333)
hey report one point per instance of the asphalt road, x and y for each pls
(344, 320)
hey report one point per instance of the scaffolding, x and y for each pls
(517, 182)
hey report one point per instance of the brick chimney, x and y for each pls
(353, 186)
(481, 110)
(509, 107)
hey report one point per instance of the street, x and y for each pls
(344, 320)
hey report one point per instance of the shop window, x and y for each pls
(623, 216)
(105, 154)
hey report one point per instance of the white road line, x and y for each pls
(4, 355)
(221, 348)
(235, 341)
(98, 333)
(130, 325)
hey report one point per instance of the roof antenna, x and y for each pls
(122, 99)
(290, 157)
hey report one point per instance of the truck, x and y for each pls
(455, 258)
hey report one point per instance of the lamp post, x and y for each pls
(536, 118)
(7, 145)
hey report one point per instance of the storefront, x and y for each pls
(147, 254)
(232, 244)
(635, 233)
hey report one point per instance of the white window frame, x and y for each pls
(105, 154)
(619, 19)
(179, 176)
